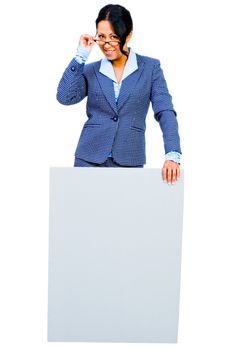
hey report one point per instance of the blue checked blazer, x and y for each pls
(119, 126)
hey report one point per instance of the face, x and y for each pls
(105, 32)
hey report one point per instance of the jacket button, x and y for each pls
(115, 118)
(73, 68)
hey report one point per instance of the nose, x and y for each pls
(106, 43)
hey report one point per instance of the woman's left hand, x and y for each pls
(170, 172)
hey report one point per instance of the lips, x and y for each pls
(108, 52)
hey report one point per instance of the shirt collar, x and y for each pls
(131, 66)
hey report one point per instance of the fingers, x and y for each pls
(170, 172)
(178, 171)
(87, 41)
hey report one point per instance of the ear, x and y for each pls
(129, 36)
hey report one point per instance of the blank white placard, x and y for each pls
(115, 237)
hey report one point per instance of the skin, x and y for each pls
(170, 169)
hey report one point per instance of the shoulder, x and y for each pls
(150, 61)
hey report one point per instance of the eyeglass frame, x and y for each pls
(107, 42)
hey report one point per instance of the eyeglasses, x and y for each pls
(103, 42)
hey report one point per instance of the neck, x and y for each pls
(121, 61)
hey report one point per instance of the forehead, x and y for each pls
(105, 27)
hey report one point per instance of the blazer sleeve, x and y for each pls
(72, 87)
(164, 112)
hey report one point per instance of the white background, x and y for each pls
(194, 42)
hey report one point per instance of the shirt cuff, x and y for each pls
(81, 54)
(173, 155)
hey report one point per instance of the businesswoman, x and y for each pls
(119, 89)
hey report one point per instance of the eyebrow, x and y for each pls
(108, 34)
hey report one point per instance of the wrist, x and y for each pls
(173, 156)
(82, 54)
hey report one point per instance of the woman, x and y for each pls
(119, 89)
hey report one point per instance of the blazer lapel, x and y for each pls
(128, 84)
(106, 86)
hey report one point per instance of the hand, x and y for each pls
(87, 41)
(170, 171)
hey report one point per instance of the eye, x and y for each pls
(100, 36)
(114, 37)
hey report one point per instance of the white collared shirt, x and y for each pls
(106, 68)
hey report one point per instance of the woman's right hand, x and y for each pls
(87, 41)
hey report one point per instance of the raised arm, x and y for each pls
(72, 87)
